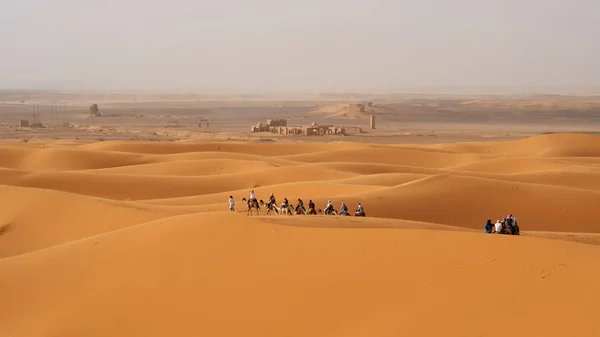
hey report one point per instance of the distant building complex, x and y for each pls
(280, 126)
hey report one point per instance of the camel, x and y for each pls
(302, 210)
(272, 208)
(332, 212)
(312, 211)
(278, 210)
(252, 204)
(345, 213)
(286, 211)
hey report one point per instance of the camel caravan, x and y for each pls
(288, 209)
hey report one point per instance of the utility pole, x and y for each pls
(53, 113)
(36, 115)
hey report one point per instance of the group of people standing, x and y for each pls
(507, 225)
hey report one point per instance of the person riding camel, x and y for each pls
(329, 207)
(252, 197)
(285, 203)
(300, 206)
(271, 201)
(311, 207)
(343, 209)
(360, 211)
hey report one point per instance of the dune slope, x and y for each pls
(135, 239)
(195, 275)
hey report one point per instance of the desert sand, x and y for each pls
(123, 238)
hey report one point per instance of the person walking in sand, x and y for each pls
(231, 203)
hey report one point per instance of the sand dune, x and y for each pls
(395, 156)
(384, 179)
(59, 159)
(36, 218)
(292, 191)
(190, 167)
(552, 145)
(507, 165)
(339, 111)
(195, 275)
(134, 239)
(263, 149)
(137, 187)
(468, 202)
(581, 180)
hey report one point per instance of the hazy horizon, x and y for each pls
(311, 46)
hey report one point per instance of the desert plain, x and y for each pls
(118, 225)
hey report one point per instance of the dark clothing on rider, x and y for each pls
(488, 226)
(360, 209)
(343, 208)
(311, 205)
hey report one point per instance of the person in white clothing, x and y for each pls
(252, 196)
(231, 203)
(498, 226)
(329, 207)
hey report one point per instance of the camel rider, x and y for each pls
(343, 208)
(252, 196)
(329, 207)
(311, 208)
(300, 205)
(285, 203)
(360, 210)
(271, 201)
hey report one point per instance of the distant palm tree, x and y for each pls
(94, 111)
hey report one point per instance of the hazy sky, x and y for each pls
(297, 46)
